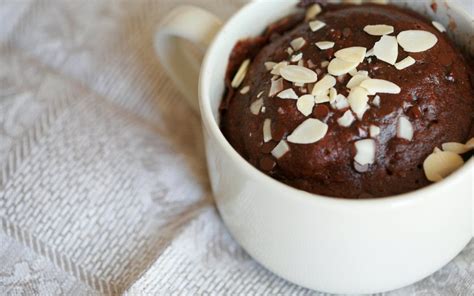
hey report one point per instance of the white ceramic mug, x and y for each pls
(326, 244)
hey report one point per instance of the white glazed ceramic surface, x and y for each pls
(327, 244)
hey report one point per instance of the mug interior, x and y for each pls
(252, 20)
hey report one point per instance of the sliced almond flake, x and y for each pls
(276, 87)
(353, 1)
(260, 94)
(281, 149)
(301, 63)
(369, 53)
(323, 85)
(316, 25)
(470, 143)
(270, 65)
(386, 49)
(374, 131)
(374, 86)
(277, 68)
(379, 30)
(264, 109)
(324, 64)
(256, 106)
(340, 102)
(310, 131)
(356, 81)
(297, 57)
(354, 54)
(358, 99)
(416, 40)
(288, 94)
(305, 104)
(313, 11)
(267, 130)
(298, 74)
(347, 119)
(323, 45)
(298, 43)
(405, 129)
(339, 67)
(381, 2)
(376, 101)
(437, 150)
(240, 75)
(441, 164)
(353, 72)
(439, 26)
(457, 148)
(245, 90)
(322, 98)
(405, 63)
(289, 51)
(332, 94)
(364, 73)
(365, 151)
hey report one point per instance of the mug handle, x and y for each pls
(191, 24)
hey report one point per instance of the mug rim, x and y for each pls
(211, 124)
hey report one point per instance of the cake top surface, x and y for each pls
(350, 100)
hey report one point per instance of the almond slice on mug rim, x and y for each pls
(457, 148)
(441, 164)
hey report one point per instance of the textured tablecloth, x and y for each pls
(103, 185)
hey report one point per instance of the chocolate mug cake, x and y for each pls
(351, 101)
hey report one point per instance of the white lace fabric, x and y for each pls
(103, 185)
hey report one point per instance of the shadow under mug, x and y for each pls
(326, 244)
